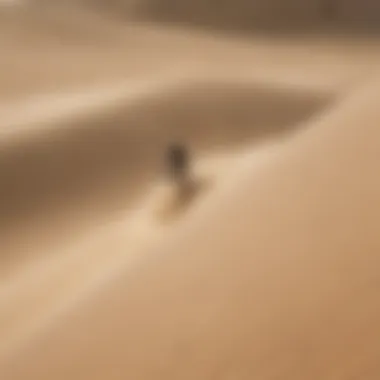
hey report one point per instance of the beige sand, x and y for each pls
(268, 270)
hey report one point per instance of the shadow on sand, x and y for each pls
(182, 198)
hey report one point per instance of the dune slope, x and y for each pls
(99, 158)
(266, 269)
(245, 304)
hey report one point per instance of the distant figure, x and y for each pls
(184, 184)
(178, 165)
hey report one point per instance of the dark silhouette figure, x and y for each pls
(177, 161)
(185, 182)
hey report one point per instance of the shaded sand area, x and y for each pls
(267, 269)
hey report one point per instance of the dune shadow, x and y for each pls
(246, 17)
(97, 163)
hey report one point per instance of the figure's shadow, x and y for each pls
(182, 198)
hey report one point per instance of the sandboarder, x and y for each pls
(178, 165)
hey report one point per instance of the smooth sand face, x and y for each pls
(266, 268)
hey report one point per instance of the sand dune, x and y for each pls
(206, 309)
(88, 155)
(267, 269)
(34, 295)
(258, 15)
(97, 156)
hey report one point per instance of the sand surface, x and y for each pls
(266, 269)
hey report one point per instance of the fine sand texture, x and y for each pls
(264, 267)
